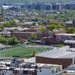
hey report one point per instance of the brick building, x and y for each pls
(52, 37)
(22, 35)
(62, 56)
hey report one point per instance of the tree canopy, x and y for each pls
(56, 25)
(70, 30)
(33, 37)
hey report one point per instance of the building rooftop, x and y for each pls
(63, 52)
(30, 60)
(47, 65)
(28, 23)
(24, 32)
(15, 28)
(69, 22)
(65, 34)
(69, 41)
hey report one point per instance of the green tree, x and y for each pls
(33, 23)
(2, 39)
(34, 52)
(40, 23)
(33, 37)
(22, 41)
(12, 40)
(70, 30)
(1, 19)
(13, 23)
(42, 29)
(63, 25)
(10, 24)
(1, 26)
(56, 25)
(19, 24)
(6, 24)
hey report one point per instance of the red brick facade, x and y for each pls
(59, 61)
(58, 38)
(23, 35)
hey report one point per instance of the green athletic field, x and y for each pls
(21, 51)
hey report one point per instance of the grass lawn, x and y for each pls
(22, 51)
(58, 45)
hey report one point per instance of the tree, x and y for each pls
(40, 23)
(22, 41)
(34, 52)
(43, 29)
(19, 24)
(2, 39)
(33, 23)
(13, 23)
(70, 30)
(12, 40)
(1, 26)
(33, 37)
(63, 24)
(55, 25)
(52, 26)
(1, 19)
(10, 24)
(6, 24)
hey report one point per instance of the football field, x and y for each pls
(21, 51)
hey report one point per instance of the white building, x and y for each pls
(49, 69)
(4, 72)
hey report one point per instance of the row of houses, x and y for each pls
(8, 67)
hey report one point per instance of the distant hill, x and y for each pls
(32, 1)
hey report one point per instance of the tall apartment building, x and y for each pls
(44, 6)
(56, 6)
(47, 6)
(70, 6)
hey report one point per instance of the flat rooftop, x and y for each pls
(65, 34)
(69, 41)
(63, 52)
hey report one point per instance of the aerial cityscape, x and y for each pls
(37, 37)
